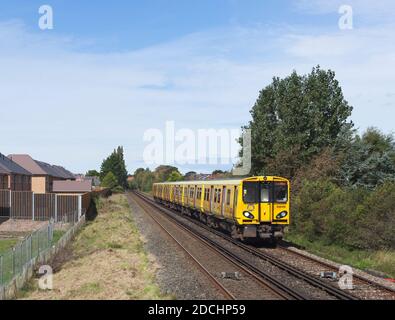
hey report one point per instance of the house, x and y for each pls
(94, 180)
(13, 176)
(43, 174)
(72, 187)
(3, 179)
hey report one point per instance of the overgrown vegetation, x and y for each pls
(343, 183)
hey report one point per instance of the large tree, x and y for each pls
(369, 160)
(163, 172)
(115, 163)
(294, 119)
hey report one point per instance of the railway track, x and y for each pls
(270, 286)
(363, 285)
(318, 283)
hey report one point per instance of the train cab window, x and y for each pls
(280, 192)
(250, 192)
(265, 192)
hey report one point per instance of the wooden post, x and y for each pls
(10, 204)
(56, 208)
(33, 206)
(79, 207)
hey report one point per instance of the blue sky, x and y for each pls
(109, 71)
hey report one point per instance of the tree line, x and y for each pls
(343, 182)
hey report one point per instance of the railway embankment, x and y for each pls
(106, 260)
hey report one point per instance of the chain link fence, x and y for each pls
(13, 261)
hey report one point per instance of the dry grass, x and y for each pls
(107, 261)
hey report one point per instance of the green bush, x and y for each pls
(353, 217)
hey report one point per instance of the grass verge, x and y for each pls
(105, 261)
(7, 244)
(382, 261)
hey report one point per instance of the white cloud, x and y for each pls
(69, 106)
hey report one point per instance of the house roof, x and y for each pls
(27, 162)
(2, 171)
(36, 167)
(72, 186)
(65, 173)
(50, 170)
(8, 166)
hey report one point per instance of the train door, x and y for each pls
(211, 198)
(195, 193)
(223, 199)
(265, 201)
(236, 193)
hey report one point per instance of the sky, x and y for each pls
(109, 71)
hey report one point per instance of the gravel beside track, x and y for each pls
(177, 275)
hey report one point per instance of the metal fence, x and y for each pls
(14, 260)
(41, 207)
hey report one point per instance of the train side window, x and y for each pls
(228, 198)
(219, 195)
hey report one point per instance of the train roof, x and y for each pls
(223, 182)
(200, 182)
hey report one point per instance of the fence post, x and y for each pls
(79, 207)
(31, 247)
(10, 203)
(33, 206)
(56, 208)
(13, 261)
(1, 270)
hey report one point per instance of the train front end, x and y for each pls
(264, 207)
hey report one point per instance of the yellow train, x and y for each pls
(255, 207)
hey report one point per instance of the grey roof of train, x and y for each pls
(201, 182)
(217, 182)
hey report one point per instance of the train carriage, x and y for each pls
(255, 207)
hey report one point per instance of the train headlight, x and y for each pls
(282, 215)
(248, 215)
